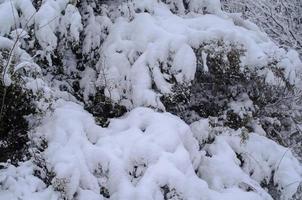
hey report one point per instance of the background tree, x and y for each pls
(280, 19)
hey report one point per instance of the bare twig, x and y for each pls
(3, 102)
(53, 19)
(104, 76)
(291, 184)
(282, 159)
(10, 56)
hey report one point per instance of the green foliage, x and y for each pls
(16, 105)
(103, 108)
(225, 82)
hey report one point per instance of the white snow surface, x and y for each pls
(145, 151)
(20, 183)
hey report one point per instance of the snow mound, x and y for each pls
(131, 159)
(248, 161)
(151, 155)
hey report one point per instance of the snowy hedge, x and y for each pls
(146, 99)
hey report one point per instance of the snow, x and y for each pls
(204, 62)
(93, 32)
(46, 22)
(148, 45)
(243, 106)
(260, 155)
(211, 6)
(20, 183)
(161, 44)
(292, 65)
(18, 55)
(72, 20)
(7, 19)
(49, 20)
(260, 163)
(145, 151)
(78, 148)
(27, 12)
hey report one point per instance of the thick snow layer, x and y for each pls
(46, 22)
(7, 19)
(72, 20)
(18, 55)
(146, 155)
(249, 159)
(49, 21)
(20, 183)
(144, 51)
(87, 156)
(10, 18)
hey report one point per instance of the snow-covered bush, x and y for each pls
(162, 53)
(16, 101)
(248, 155)
(15, 106)
(150, 155)
(85, 63)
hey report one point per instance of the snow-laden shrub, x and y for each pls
(20, 183)
(103, 48)
(143, 63)
(268, 167)
(150, 155)
(240, 97)
(16, 105)
(16, 101)
(170, 55)
(221, 82)
(121, 175)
